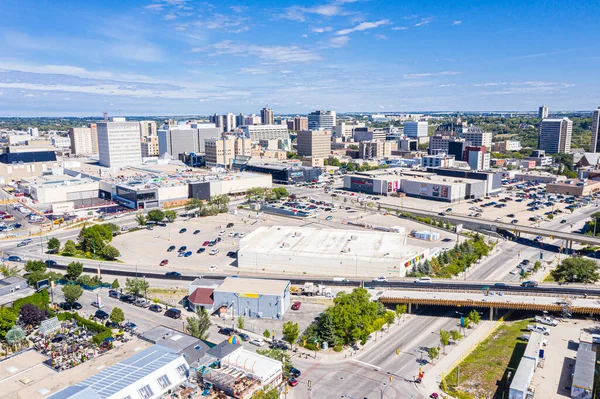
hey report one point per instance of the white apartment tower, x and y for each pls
(416, 129)
(595, 143)
(230, 122)
(321, 120)
(147, 128)
(119, 143)
(267, 117)
(543, 112)
(555, 135)
(81, 141)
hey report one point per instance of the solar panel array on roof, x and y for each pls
(123, 374)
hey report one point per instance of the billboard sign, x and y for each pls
(40, 285)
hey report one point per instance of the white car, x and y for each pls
(222, 232)
(212, 268)
(257, 342)
(97, 305)
(242, 234)
(381, 279)
(214, 252)
(231, 234)
(538, 328)
(499, 219)
(514, 271)
(424, 280)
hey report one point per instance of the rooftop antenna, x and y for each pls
(105, 115)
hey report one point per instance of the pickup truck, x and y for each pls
(549, 321)
(538, 328)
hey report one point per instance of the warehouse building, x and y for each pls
(253, 297)
(231, 184)
(285, 173)
(328, 252)
(582, 386)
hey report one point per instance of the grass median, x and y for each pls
(484, 372)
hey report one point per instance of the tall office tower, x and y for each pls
(477, 157)
(321, 120)
(543, 112)
(119, 143)
(229, 120)
(477, 138)
(314, 143)
(595, 144)
(33, 132)
(416, 129)
(259, 132)
(147, 128)
(240, 120)
(300, 123)
(149, 146)
(267, 117)
(81, 140)
(94, 128)
(555, 135)
(218, 121)
(179, 139)
(223, 150)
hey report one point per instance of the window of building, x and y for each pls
(182, 371)
(146, 392)
(164, 381)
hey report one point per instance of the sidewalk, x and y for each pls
(433, 374)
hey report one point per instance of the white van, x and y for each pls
(424, 280)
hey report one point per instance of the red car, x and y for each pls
(293, 382)
(205, 243)
(296, 305)
(164, 262)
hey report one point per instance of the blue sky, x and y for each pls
(177, 57)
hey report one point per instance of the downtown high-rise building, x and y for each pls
(300, 123)
(82, 141)
(595, 142)
(147, 128)
(543, 112)
(555, 135)
(230, 122)
(416, 129)
(119, 143)
(314, 143)
(321, 120)
(267, 117)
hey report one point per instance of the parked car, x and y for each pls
(257, 342)
(50, 263)
(101, 315)
(155, 308)
(242, 234)
(380, 279)
(212, 268)
(164, 262)
(14, 258)
(232, 254)
(182, 230)
(226, 331)
(172, 274)
(114, 294)
(196, 232)
(129, 326)
(205, 243)
(424, 280)
(244, 337)
(200, 250)
(76, 306)
(229, 225)
(182, 248)
(97, 304)
(187, 254)
(142, 303)
(529, 284)
(127, 298)
(214, 252)
(171, 248)
(173, 313)
(538, 328)
(65, 306)
(222, 232)
(295, 372)
(296, 305)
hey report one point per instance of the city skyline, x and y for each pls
(179, 57)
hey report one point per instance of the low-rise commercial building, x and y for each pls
(285, 173)
(416, 129)
(506, 146)
(23, 162)
(577, 188)
(477, 138)
(582, 386)
(253, 297)
(437, 161)
(331, 252)
(230, 184)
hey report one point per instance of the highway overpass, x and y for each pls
(587, 306)
(485, 224)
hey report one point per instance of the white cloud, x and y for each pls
(339, 41)
(456, 22)
(323, 29)
(400, 28)
(424, 21)
(254, 71)
(304, 35)
(170, 17)
(238, 8)
(381, 37)
(364, 26)
(430, 74)
(277, 54)
(29, 95)
(298, 13)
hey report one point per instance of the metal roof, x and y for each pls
(257, 286)
(222, 350)
(583, 374)
(523, 375)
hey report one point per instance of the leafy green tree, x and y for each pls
(291, 332)
(8, 318)
(195, 203)
(354, 315)
(444, 338)
(93, 239)
(255, 193)
(33, 266)
(466, 322)
(135, 286)
(576, 270)
(456, 335)
(156, 215)
(267, 334)
(389, 317)
(266, 393)
(74, 270)
(9, 271)
(433, 353)
(53, 245)
(141, 219)
(240, 323)
(111, 253)
(170, 215)
(198, 326)
(280, 192)
(474, 316)
(72, 292)
(325, 329)
(400, 310)
(69, 249)
(117, 316)
(115, 285)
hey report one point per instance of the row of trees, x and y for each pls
(473, 317)
(156, 215)
(92, 242)
(454, 261)
(215, 205)
(256, 194)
